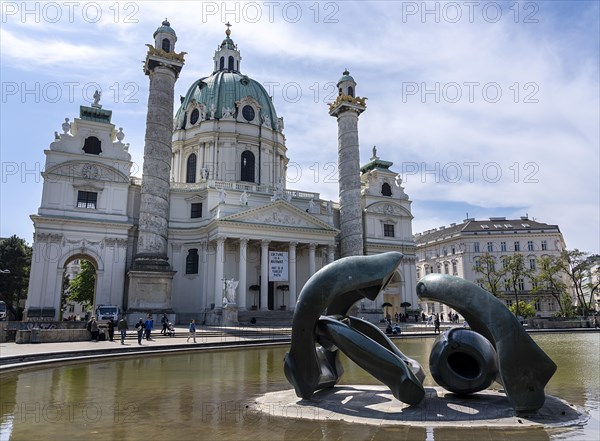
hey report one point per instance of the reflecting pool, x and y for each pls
(209, 395)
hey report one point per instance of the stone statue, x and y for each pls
(66, 126)
(227, 113)
(213, 110)
(222, 195)
(97, 96)
(278, 193)
(374, 151)
(311, 205)
(266, 121)
(230, 287)
(244, 198)
(329, 208)
(204, 173)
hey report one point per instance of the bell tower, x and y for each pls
(346, 108)
(150, 276)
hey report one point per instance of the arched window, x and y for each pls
(92, 145)
(386, 190)
(247, 166)
(166, 45)
(222, 63)
(230, 65)
(191, 261)
(190, 176)
(350, 91)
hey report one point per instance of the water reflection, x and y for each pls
(202, 396)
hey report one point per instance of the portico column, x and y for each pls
(292, 274)
(219, 260)
(311, 258)
(264, 275)
(330, 253)
(242, 273)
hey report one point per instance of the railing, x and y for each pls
(239, 186)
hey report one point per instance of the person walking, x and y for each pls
(122, 326)
(140, 330)
(148, 326)
(192, 330)
(111, 329)
(165, 323)
(93, 328)
(436, 324)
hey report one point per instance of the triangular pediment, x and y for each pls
(278, 213)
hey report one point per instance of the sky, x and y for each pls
(485, 108)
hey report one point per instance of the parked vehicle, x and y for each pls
(105, 312)
(3, 310)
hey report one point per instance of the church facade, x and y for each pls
(211, 223)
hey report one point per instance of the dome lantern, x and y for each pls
(165, 37)
(227, 57)
(346, 84)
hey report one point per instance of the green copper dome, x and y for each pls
(166, 28)
(223, 89)
(345, 77)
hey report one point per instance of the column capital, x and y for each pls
(265, 242)
(220, 239)
(293, 244)
(244, 240)
(313, 245)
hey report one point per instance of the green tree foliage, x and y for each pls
(15, 256)
(524, 309)
(491, 276)
(577, 265)
(81, 288)
(515, 271)
(549, 280)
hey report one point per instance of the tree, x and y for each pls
(81, 288)
(577, 265)
(549, 280)
(15, 256)
(515, 273)
(491, 277)
(524, 309)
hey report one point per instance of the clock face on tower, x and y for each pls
(89, 171)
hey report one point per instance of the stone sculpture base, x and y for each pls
(375, 405)
(150, 291)
(230, 315)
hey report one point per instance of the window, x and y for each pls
(194, 116)
(222, 63)
(350, 91)
(418, 273)
(530, 245)
(190, 176)
(166, 45)
(92, 145)
(506, 285)
(446, 268)
(87, 199)
(490, 247)
(503, 247)
(544, 245)
(521, 285)
(532, 264)
(454, 269)
(453, 250)
(508, 303)
(388, 230)
(386, 190)
(248, 113)
(230, 62)
(247, 168)
(196, 210)
(476, 247)
(191, 261)
(517, 246)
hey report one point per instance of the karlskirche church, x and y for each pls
(211, 231)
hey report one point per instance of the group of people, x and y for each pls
(143, 328)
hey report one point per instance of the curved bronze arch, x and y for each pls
(336, 288)
(524, 368)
